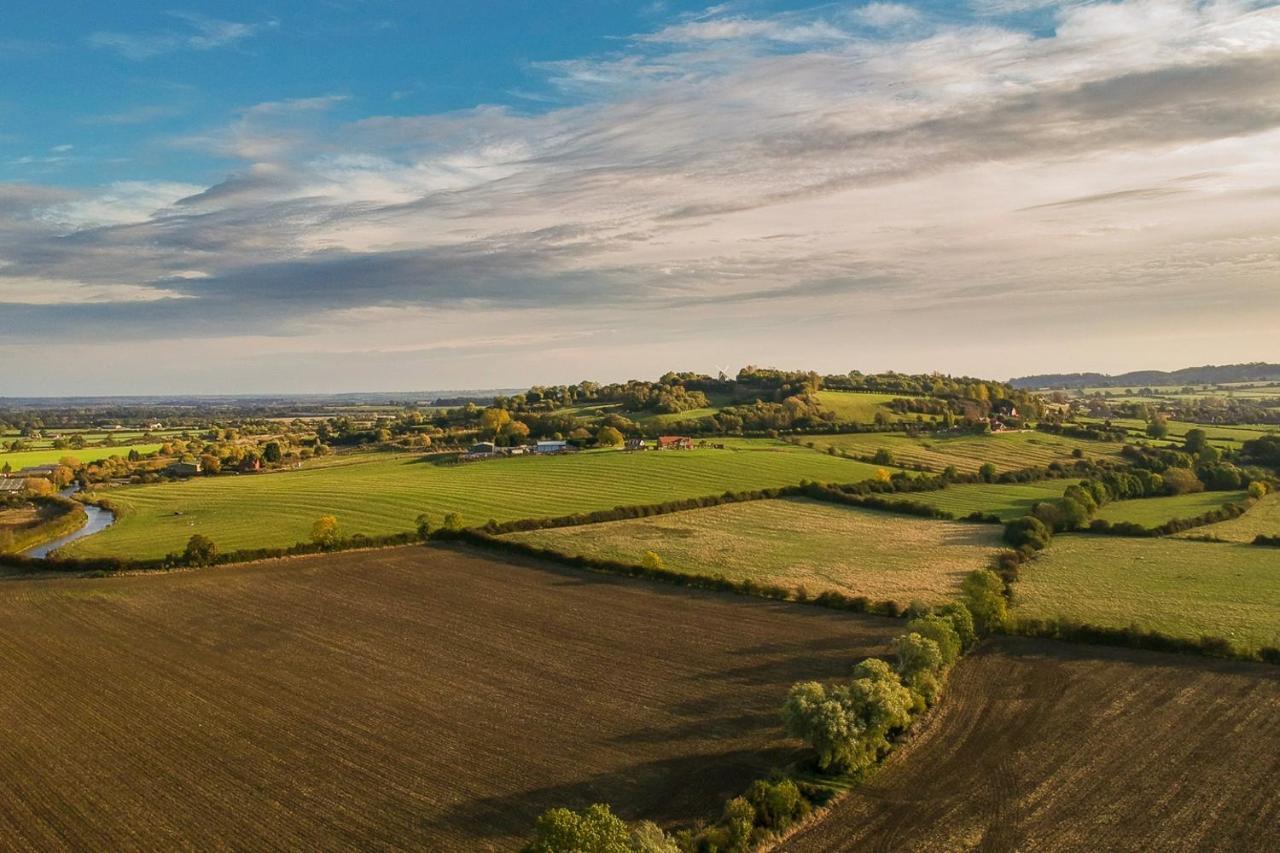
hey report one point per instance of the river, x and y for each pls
(98, 519)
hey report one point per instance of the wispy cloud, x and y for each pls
(727, 180)
(195, 32)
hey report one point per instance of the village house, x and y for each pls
(636, 444)
(675, 442)
(183, 469)
(11, 486)
(37, 471)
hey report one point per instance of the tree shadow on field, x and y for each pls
(680, 789)
(704, 727)
(1035, 649)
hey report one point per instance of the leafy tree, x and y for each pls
(1257, 489)
(825, 724)
(961, 622)
(594, 830)
(492, 420)
(1196, 441)
(983, 594)
(453, 522)
(1158, 427)
(200, 551)
(325, 531)
(1181, 481)
(941, 631)
(920, 663)
(1029, 531)
(272, 453)
(883, 456)
(987, 473)
(609, 437)
(424, 526)
(648, 837)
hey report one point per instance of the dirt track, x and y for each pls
(1043, 746)
(414, 697)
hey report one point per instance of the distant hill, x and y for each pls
(1209, 374)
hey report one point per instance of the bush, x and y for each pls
(777, 804)
(595, 830)
(453, 522)
(942, 633)
(324, 532)
(651, 561)
(424, 527)
(983, 594)
(1028, 531)
(200, 551)
(961, 622)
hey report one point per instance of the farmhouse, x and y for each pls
(9, 486)
(184, 469)
(636, 444)
(675, 442)
(547, 446)
(37, 471)
(481, 449)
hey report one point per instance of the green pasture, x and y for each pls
(377, 494)
(27, 458)
(820, 546)
(1153, 512)
(1006, 501)
(1006, 450)
(1177, 587)
(858, 407)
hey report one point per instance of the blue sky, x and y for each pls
(346, 195)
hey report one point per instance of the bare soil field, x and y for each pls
(420, 698)
(1046, 746)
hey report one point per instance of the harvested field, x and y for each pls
(819, 546)
(415, 697)
(1046, 746)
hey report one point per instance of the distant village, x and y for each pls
(489, 450)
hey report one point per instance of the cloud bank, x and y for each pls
(864, 186)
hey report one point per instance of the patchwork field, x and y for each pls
(1043, 746)
(1007, 450)
(793, 543)
(406, 698)
(1263, 519)
(1153, 512)
(1174, 586)
(378, 494)
(1006, 501)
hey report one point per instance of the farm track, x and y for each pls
(419, 698)
(1045, 746)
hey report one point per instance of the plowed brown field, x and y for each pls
(1042, 746)
(417, 697)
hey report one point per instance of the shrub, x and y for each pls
(1027, 531)
(739, 819)
(777, 804)
(453, 522)
(200, 551)
(1257, 489)
(424, 527)
(651, 561)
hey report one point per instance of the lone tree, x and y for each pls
(424, 527)
(325, 531)
(200, 551)
(608, 437)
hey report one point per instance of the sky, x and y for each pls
(342, 195)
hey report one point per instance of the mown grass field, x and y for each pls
(27, 458)
(791, 543)
(1050, 746)
(1263, 519)
(1006, 501)
(1006, 450)
(412, 698)
(1153, 512)
(377, 494)
(1177, 587)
